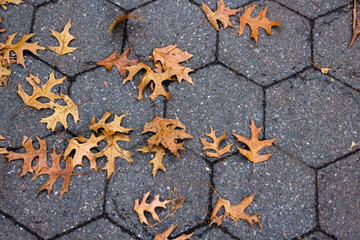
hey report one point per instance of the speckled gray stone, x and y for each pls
(285, 195)
(163, 21)
(50, 215)
(309, 9)
(8, 230)
(335, 30)
(38, 2)
(217, 99)
(130, 4)
(26, 122)
(188, 174)
(317, 236)
(275, 56)
(339, 198)
(90, 20)
(313, 116)
(212, 233)
(100, 229)
(231, 4)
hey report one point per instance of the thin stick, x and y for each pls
(315, 65)
(214, 190)
(155, 110)
(126, 213)
(315, 3)
(356, 29)
(203, 22)
(252, 171)
(153, 229)
(136, 53)
(221, 164)
(176, 37)
(62, 135)
(149, 42)
(182, 112)
(168, 215)
(57, 61)
(18, 111)
(90, 99)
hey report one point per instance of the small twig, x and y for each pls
(182, 113)
(149, 41)
(19, 111)
(252, 171)
(62, 135)
(315, 3)
(90, 99)
(168, 215)
(176, 37)
(155, 110)
(203, 22)
(136, 53)
(214, 190)
(355, 26)
(221, 164)
(125, 213)
(57, 61)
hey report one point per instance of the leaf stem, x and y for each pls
(19, 111)
(90, 99)
(62, 135)
(252, 171)
(214, 190)
(315, 3)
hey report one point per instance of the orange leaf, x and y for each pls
(64, 38)
(166, 234)
(215, 145)
(222, 14)
(158, 158)
(255, 23)
(3, 150)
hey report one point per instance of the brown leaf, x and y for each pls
(158, 158)
(19, 47)
(234, 212)
(149, 207)
(120, 62)
(222, 14)
(64, 38)
(167, 132)
(118, 20)
(54, 173)
(4, 71)
(215, 145)
(355, 26)
(40, 91)
(3, 150)
(2, 30)
(29, 155)
(169, 58)
(254, 144)
(255, 23)
(149, 77)
(166, 234)
(109, 128)
(4, 2)
(61, 113)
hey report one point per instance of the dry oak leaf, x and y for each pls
(222, 14)
(234, 212)
(149, 77)
(64, 38)
(54, 173)
(255, 23)
(167, 132)
(19, 47)
(4, 71)
(169, 58)
(3, 150)
(158, 158)
(149, 207)
(61, 113)
(114, 133)
(166, 234)
(82, 147)
(29, 155)
(254, 144)
(4, 2)
(118, 61)
(215, 145)
(2, 30)
(40, 91)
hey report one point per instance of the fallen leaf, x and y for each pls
(2, 30)
(255, 23)
(149, 207)
(19, 47)
(158, 158)
(254, 144)
(29, 155)
(118, 20)
(355, 26)
(120, 62)
(234, 212)
(353, 144)
(166, 234)
(167, 133)
(109, 128)
(5, 2)
(215, 145)
(3, 150)
(323, 70)
(4, 71)
(222, 14)
(64, 38)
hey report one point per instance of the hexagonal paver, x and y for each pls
(187, 174)
(317, 236)
(130, 4)
(38, 2)
(285, 195)
(8, 230)
(160, 15)
(121, 99)
(50, 215)
(100, 229)
(339, 198)
(309, 9)
(313, 116)
(268, 60)
(26, 122)
(90, 20)
(16, 18)
(206, 233)
(335, 30)
(217, 99)
(231, 4)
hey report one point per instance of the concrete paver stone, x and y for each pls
(130, 4)
(317, 236)
(8, 230)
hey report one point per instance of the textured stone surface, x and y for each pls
(8, 230)
(90, 29)
(130, 4)
(187, 174)
(317, 236)
(309, 9)
(161, 29)
(206, 233)
(339, 198)
(268, 60)
(38, 2)
(318, 121)
(231, 4)
(100, 229)
(285, 195)
(335, 30)
(217, 99)
(50, 215)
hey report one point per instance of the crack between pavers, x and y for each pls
(294, 75)
(339, 158)
(338, 9)
(123, 229)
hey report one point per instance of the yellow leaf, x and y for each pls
(64, 38)
(4, 2)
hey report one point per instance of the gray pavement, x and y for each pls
(308, 189)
